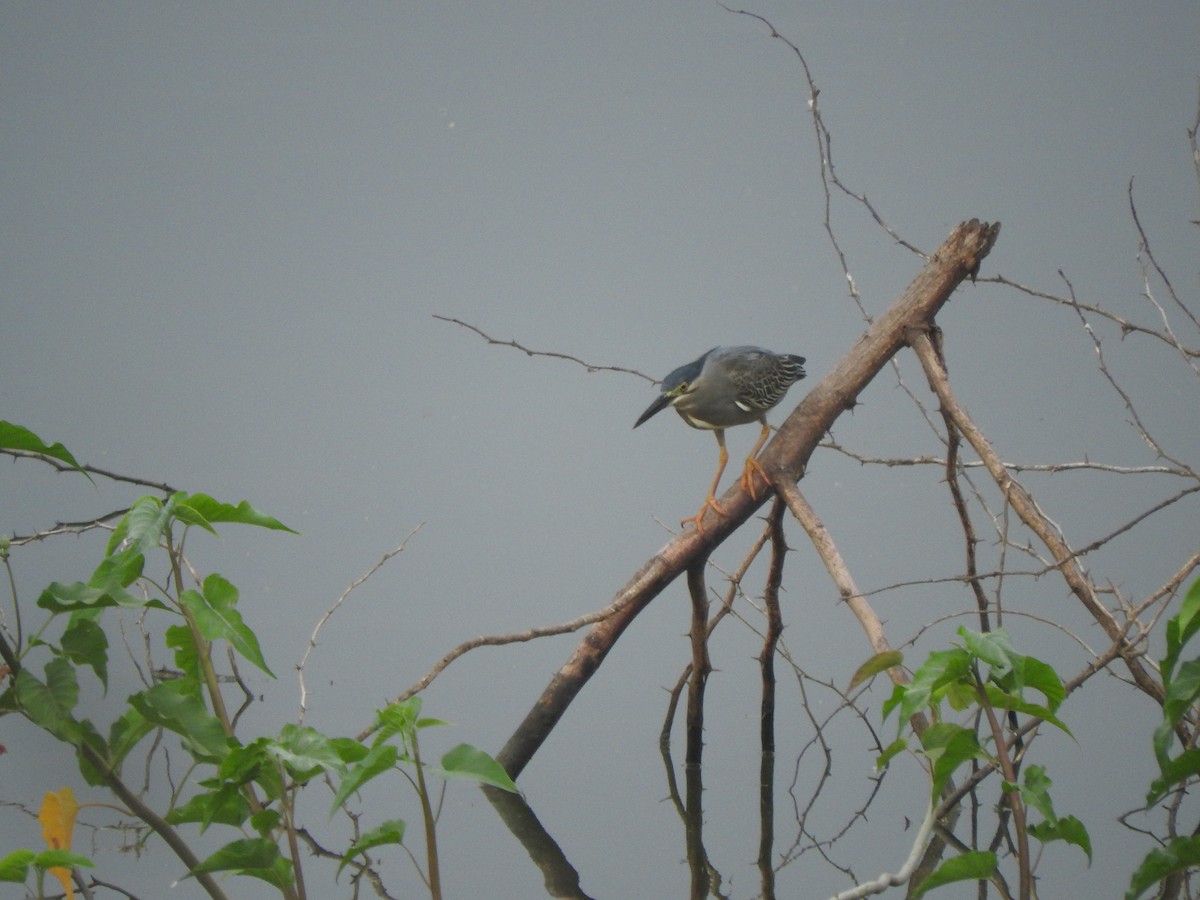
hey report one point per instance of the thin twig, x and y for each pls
(496, 640)
(92, 470)
(1049, 468)
(591, 367)
(312, 641)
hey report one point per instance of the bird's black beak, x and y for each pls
(660, 403)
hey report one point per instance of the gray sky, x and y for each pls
(228, 227)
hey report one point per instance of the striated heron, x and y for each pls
(728, 386)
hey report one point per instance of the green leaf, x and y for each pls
(118, 571)
(348, 749)
(472, 764)
(211, 510)
(61, 680)
(389, 832)
(17, 437)
(49, 859)
(86, 733)
(961, 695)
(15, 866)
(1044, 679)
(84, 643)
(216, 614)
(1068, 829)
(265, 821)
(948, 746)
(49, 704)
(1182, 691)
(1180, 768)
(179, 639)
(255, 857)
(880, 662)
(80, 597)
(398, 718)
(897, 746)
(191, 516)
(970, 866)
(227, 805)
(899, 692)
(379, 759)
(305, 752)
(124, 735)
(1001, 699)
(426, 722)
(170, 705)
(1179, 854)
(942, 668)
(252, 762)
(1181, 628)
(1036, 794)
(992, 647)
(143, 527)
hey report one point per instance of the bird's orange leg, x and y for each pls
(711, 501)
(753, 467)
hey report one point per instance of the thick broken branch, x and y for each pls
(785, 457)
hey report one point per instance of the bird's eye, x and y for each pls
(680, 390)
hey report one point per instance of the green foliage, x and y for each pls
(249, 785)
(982, 675)
(472, 764)
(254, 857)
(970, 866)
(1036, 794)
(947, 746)
(16, 437)
(403, 722)
(178, 707)
(215, 612)
(15, 868)
(1181, 688)
(1178, 855)
(389, 832)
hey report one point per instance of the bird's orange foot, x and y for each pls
(698, 518)
(752, 468)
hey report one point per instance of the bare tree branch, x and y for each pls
(1065, 559)
(591, 367)
(1049, 468)
(783, 459)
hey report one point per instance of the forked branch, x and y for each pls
(785, 457)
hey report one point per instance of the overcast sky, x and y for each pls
(228, 226)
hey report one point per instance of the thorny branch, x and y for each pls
(591, 367)
(1023, 503)
(1127, 634)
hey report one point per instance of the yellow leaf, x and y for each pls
(57, 816)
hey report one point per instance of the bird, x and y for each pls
(728, 386)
